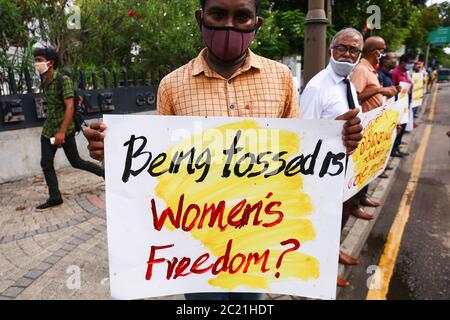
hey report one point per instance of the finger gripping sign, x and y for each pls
(199, 204)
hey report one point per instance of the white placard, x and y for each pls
(290, 245)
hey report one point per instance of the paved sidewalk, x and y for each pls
(41, 253)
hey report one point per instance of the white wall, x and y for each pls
(20, 153)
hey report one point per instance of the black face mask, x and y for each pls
(391, 66)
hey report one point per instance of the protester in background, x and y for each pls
(365, 76)
(207, 85)
(330, 94)
(371, 95)
(433, 78)
(387, 63)
(58, 124)
(400, 74)
(417, 69)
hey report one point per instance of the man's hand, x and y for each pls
(60, 138)
(95, 135)
(389, 91)
(352, 131)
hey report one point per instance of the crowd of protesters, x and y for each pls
(360, 73)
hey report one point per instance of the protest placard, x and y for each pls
(200, 204)
(418, 89)
(370, 158)
(403, 100)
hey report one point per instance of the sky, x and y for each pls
(430, 2)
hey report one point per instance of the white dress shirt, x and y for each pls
(325, 96)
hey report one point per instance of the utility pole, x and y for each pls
(330, 4)
(315, 39)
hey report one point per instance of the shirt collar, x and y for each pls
(201, 66)
(367, 64)
(336, 78)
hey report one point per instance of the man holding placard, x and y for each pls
(330, 93)
(228, 80)
(365, 76)
(400, 74)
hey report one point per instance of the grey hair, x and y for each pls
(347, 32)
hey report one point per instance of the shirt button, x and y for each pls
(232, 106)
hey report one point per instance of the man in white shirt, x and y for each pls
(325, 96)
(331, 94)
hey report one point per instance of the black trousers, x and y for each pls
(48, 152)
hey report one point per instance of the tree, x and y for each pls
(444, 9)
(163, 34)
(283, 31)
(425, 21)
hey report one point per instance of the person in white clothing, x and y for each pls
(330, 94)
(325, 96)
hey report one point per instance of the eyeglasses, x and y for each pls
(381, 50)
(342, 49)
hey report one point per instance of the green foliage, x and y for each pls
(282, 33)
(166, 33)
(269, 41)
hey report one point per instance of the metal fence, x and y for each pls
(22, 104)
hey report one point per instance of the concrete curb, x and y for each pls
(354, 241)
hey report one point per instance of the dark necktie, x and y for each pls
(351, 102)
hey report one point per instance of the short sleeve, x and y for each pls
(164, 99)
(67, 88)
(291, 104)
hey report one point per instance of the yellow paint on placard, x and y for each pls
(296, 204)
(374, 148)
(403, 94)
(417, 95)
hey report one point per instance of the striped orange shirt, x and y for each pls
(261, 88)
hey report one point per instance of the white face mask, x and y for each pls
(409, 66)
(41, 67)
(341, 68)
